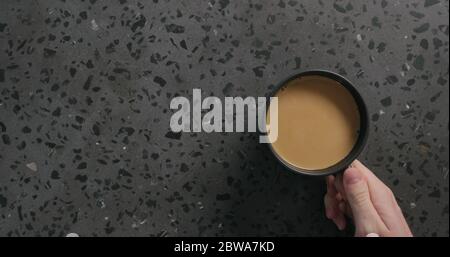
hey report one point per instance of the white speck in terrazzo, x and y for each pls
(418, 126)
(72, 235)
(407, 66)
(412, 205)
(381, 112)
(94, 25)
(32, 166)
(359, 37)
(138, 223)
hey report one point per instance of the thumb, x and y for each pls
(364, 213)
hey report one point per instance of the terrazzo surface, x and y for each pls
(85, 88)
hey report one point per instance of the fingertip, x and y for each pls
(330, 185)
(340, 222)
(355, 162)
(330, 213)
(327, 214)
(341, 225)
(352, 176)
(330, 178)
(330, 181)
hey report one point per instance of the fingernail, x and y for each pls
(373, 235)
(353, 180)
(352, 176)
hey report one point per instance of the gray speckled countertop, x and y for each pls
(85, 88)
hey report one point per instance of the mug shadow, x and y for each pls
(276, 202)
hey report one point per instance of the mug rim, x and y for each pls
(363, 130)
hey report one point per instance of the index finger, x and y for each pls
(331, 189)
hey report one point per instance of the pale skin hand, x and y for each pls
(360, 195)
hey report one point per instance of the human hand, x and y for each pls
(360, 195)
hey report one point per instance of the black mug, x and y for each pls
(363, 128)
